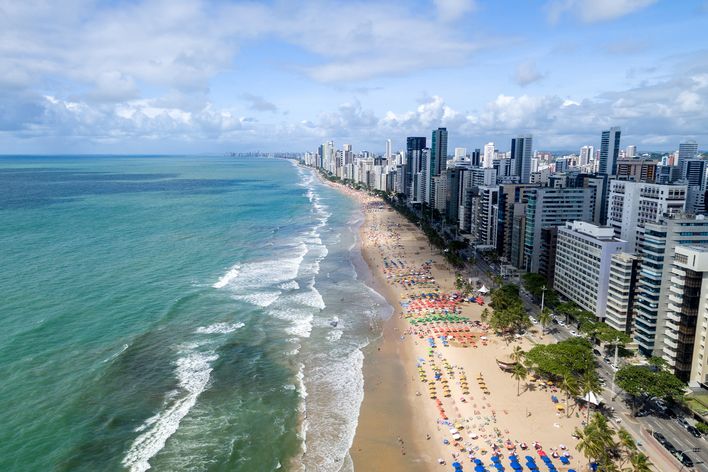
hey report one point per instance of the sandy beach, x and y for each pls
(434, 392)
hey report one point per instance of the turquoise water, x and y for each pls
(174, 313)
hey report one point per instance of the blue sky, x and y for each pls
(199, 76)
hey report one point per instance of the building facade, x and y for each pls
(582, 266)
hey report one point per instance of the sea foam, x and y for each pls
(219, 328)
(225, 279)
(193, 372)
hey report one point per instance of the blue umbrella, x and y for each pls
(480, 468)
(457, 465)
(529, 458)
(478, 461)
(516, 466)
(495, 459)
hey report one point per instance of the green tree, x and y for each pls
(485, 315)
(517, 354)
(569, 357)
(639, 462)
(627, 445)
(569, 386)
(544, 318)
(642, 382)
(519, 373)
(590, 383)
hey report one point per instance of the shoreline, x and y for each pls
(473, 410)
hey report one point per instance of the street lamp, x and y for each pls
(543, 296)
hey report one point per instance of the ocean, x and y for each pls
(177, 313)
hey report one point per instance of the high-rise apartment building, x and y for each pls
(587, 155)
(631, 152)
(521, 153)
(488, 159)
(414, 148)
(582, 269)
(687, 304)
(389, 150)
(438, 151)
(551, 207)
(638, 170)
(633, 204)
(620, 291)
(656, 251)
(609, 151)
(687, 150)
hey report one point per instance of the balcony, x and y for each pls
(673, 316)
(669, 360)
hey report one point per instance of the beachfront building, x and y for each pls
(633, 204)
(620, 291)
(684, 343)
(582, 266)
(547, 207)
(651, 300)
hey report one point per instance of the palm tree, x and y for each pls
(590, 384)
(519, 373)
(544, 318)
(517, 354)
(639, 463)
(587, 443)
(570, 387)
(628, 447)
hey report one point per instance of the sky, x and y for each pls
(198, 76)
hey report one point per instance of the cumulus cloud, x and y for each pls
(258, 103)
(591, 11)
(527, 73)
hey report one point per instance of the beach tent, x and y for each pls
(484, 289)
(592, 398)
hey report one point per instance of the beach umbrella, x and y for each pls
(457, 465)
(479, 468)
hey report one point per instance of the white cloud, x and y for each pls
(591, 11)
(258, 103)
(527, 73)
(450, 10)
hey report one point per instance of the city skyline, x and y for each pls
(198, 76)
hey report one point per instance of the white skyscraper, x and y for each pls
(460, 153)
(631, 152)
(488, 155)
(587, 154)
(388, 149)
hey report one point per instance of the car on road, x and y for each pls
(659, 437)
(607, 360)
(694, 431)
(671, 448)
(685, 460)
(614, 367)
(561, 322)
(596, 352)
(682, 421)
(554, 321)
(641, 413)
